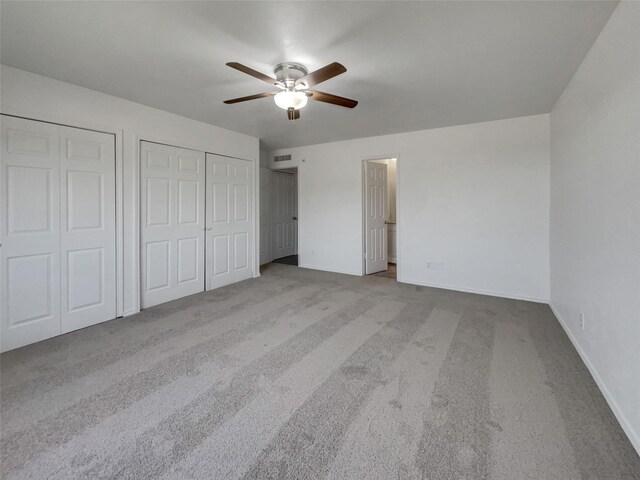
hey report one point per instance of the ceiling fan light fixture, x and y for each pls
(291, 99)
(294, 82)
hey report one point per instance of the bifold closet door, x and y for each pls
(88, 228)
(30, 232)
(57, 230)
(172, 222)
(230, 225)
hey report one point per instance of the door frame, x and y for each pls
(286, 171)
(363, 207)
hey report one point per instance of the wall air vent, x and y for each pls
(282, 158)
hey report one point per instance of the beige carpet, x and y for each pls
(302, 375)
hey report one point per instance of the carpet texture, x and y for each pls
(302, 374)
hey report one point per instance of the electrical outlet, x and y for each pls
(581, 321)
(435, 266)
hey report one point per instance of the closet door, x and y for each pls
(88, 218)
(172, 222)
(30, 232)
(58, 230)
(230, 226)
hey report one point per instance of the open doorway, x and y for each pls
(284, 216)
(379, 217)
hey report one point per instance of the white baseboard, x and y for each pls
(512, 296)
(131, 311)
(634, 438)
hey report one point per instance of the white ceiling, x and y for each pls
(411, 65)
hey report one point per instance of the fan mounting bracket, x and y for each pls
(287, 73)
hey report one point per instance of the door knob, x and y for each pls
(295, 218)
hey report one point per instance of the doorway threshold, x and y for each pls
(390, 272)
(290, 260)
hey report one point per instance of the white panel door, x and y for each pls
(375, 217)
(230, 225)
(284, 214)
(88, 228)
(172, 201)
(30, 253)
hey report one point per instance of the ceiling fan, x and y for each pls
(295, 85)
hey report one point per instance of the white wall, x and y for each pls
(41, 98)
(595, 212)
(472, 199)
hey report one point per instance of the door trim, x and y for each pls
(273, 231)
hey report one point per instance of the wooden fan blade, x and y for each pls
(334, 99)
(293, 114)
(253, 73)
(250, 97)
(325, 73)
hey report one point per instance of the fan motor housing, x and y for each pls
(288, 73)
